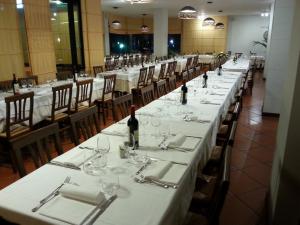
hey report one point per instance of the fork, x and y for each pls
(54, 193)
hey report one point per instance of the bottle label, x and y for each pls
(16, 87)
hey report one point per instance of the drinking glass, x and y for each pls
(94, 164)
(103, 144)
(110, 183)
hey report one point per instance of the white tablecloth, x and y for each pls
(206, 59)
(242, 65)
(43, 100)
(142, 204)
(258, 60)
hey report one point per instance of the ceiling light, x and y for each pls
(58, 2)
(144, 28)
(201, 17)
(208, 21)
(187, 12)
(116, 24)
(138, 1)
(209, 2)
(220, 26)
(19, 4)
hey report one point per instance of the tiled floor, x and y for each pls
(251, 162)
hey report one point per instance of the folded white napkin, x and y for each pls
(175, 141)
(182, 142)
(157, 169)
(75, 157)
(66, 208)
(87, 193)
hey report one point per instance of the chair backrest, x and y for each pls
(185, 75)
(191, 73)
(109, 87)
(64, 75)
(150, 75)
(124, 61)
(30, 80)
(62, 97)
(84, 90)
(232, 133)
(172, 83)
(162, 71)
(85, 124)
(188, 63)
(195, 60)
(221, 189)
(19, 109)
(116, 62)
(130, 61)
(169, 69)
(137, 60)
(121, 106)
(161, 88)
(147, 93)
(38, 142)
(5, 85)
(174, 67)
(98, 69)
(197, 71)
(142, 77)
(108, 63)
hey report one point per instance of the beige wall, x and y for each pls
(11, 53)
(40, 39)
(196, 37)
(93, 36)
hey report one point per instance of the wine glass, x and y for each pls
(103, 145)
(110, 183)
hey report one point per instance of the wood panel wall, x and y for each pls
(11, 53)
(40, 39)
(93, 36)
(198, 38)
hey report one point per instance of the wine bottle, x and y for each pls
(220, 70)
(205, 80)
(15, 85)
(133, 127)
(184, 90)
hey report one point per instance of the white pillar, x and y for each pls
(106, 34)
(160, 18)
(285, 179)
(278, 54)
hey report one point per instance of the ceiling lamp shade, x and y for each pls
(220, 26)
(144, 28)
(187, 12)
(208, 21)
(137, 1)
(116, 24)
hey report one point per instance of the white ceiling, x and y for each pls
(229, 7)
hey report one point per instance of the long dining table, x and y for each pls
(136, 203)
(43, 98)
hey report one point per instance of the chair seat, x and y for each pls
(58, 117)
(223, 130)
(195, 219)
(18, 130)
(231, 108)
(228, 118)
(80, 108)
(216, 153)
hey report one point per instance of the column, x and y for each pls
(40, 39)
(106, 34)
(92, 29)
(285, 180)
(160, 17)
(11, 53)
(278, 55)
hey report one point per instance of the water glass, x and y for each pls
(110, 183)
(103, 144)
(94, 164)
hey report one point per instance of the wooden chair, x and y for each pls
(185, 75)
(161, 88)
(195, 61)
(107, 95)
(169, 69)
(61, 102)
(197, 71)
(6, 85)
(174, 67)
(162, 72)
(130, 61)
(147, 94)
(19, 115)
(38, 144)
(84, 90)
(97, 70)
(28, 81)
(85, 124)
(136, 92)
(64, 75)
(188, 63)
(149, 79)
(124, 61)
(172, 83)
(121, 106)
(137, 60)
(206, 209)
(191, 73)
(116, 62)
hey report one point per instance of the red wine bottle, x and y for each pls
(133, 126)
(184, 91)
(15, 85)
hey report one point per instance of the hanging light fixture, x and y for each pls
(144, 27)
(187, 12)
(116, 24)
(220, 26)
(208, 21)
(137, 1)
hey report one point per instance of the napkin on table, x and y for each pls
(74, 158)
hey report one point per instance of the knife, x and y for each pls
(102, 207)
(66, 165)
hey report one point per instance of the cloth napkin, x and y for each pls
(182, 142)
(74, 157)
(66, 208)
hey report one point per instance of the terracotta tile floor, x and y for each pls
(251, 162)
(252, 157)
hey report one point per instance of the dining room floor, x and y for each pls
(251, 163)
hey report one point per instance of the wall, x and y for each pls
(93, 36)
(11, 53)
(40, 39)
(198, 38)
(285, 179)
(243, 30)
